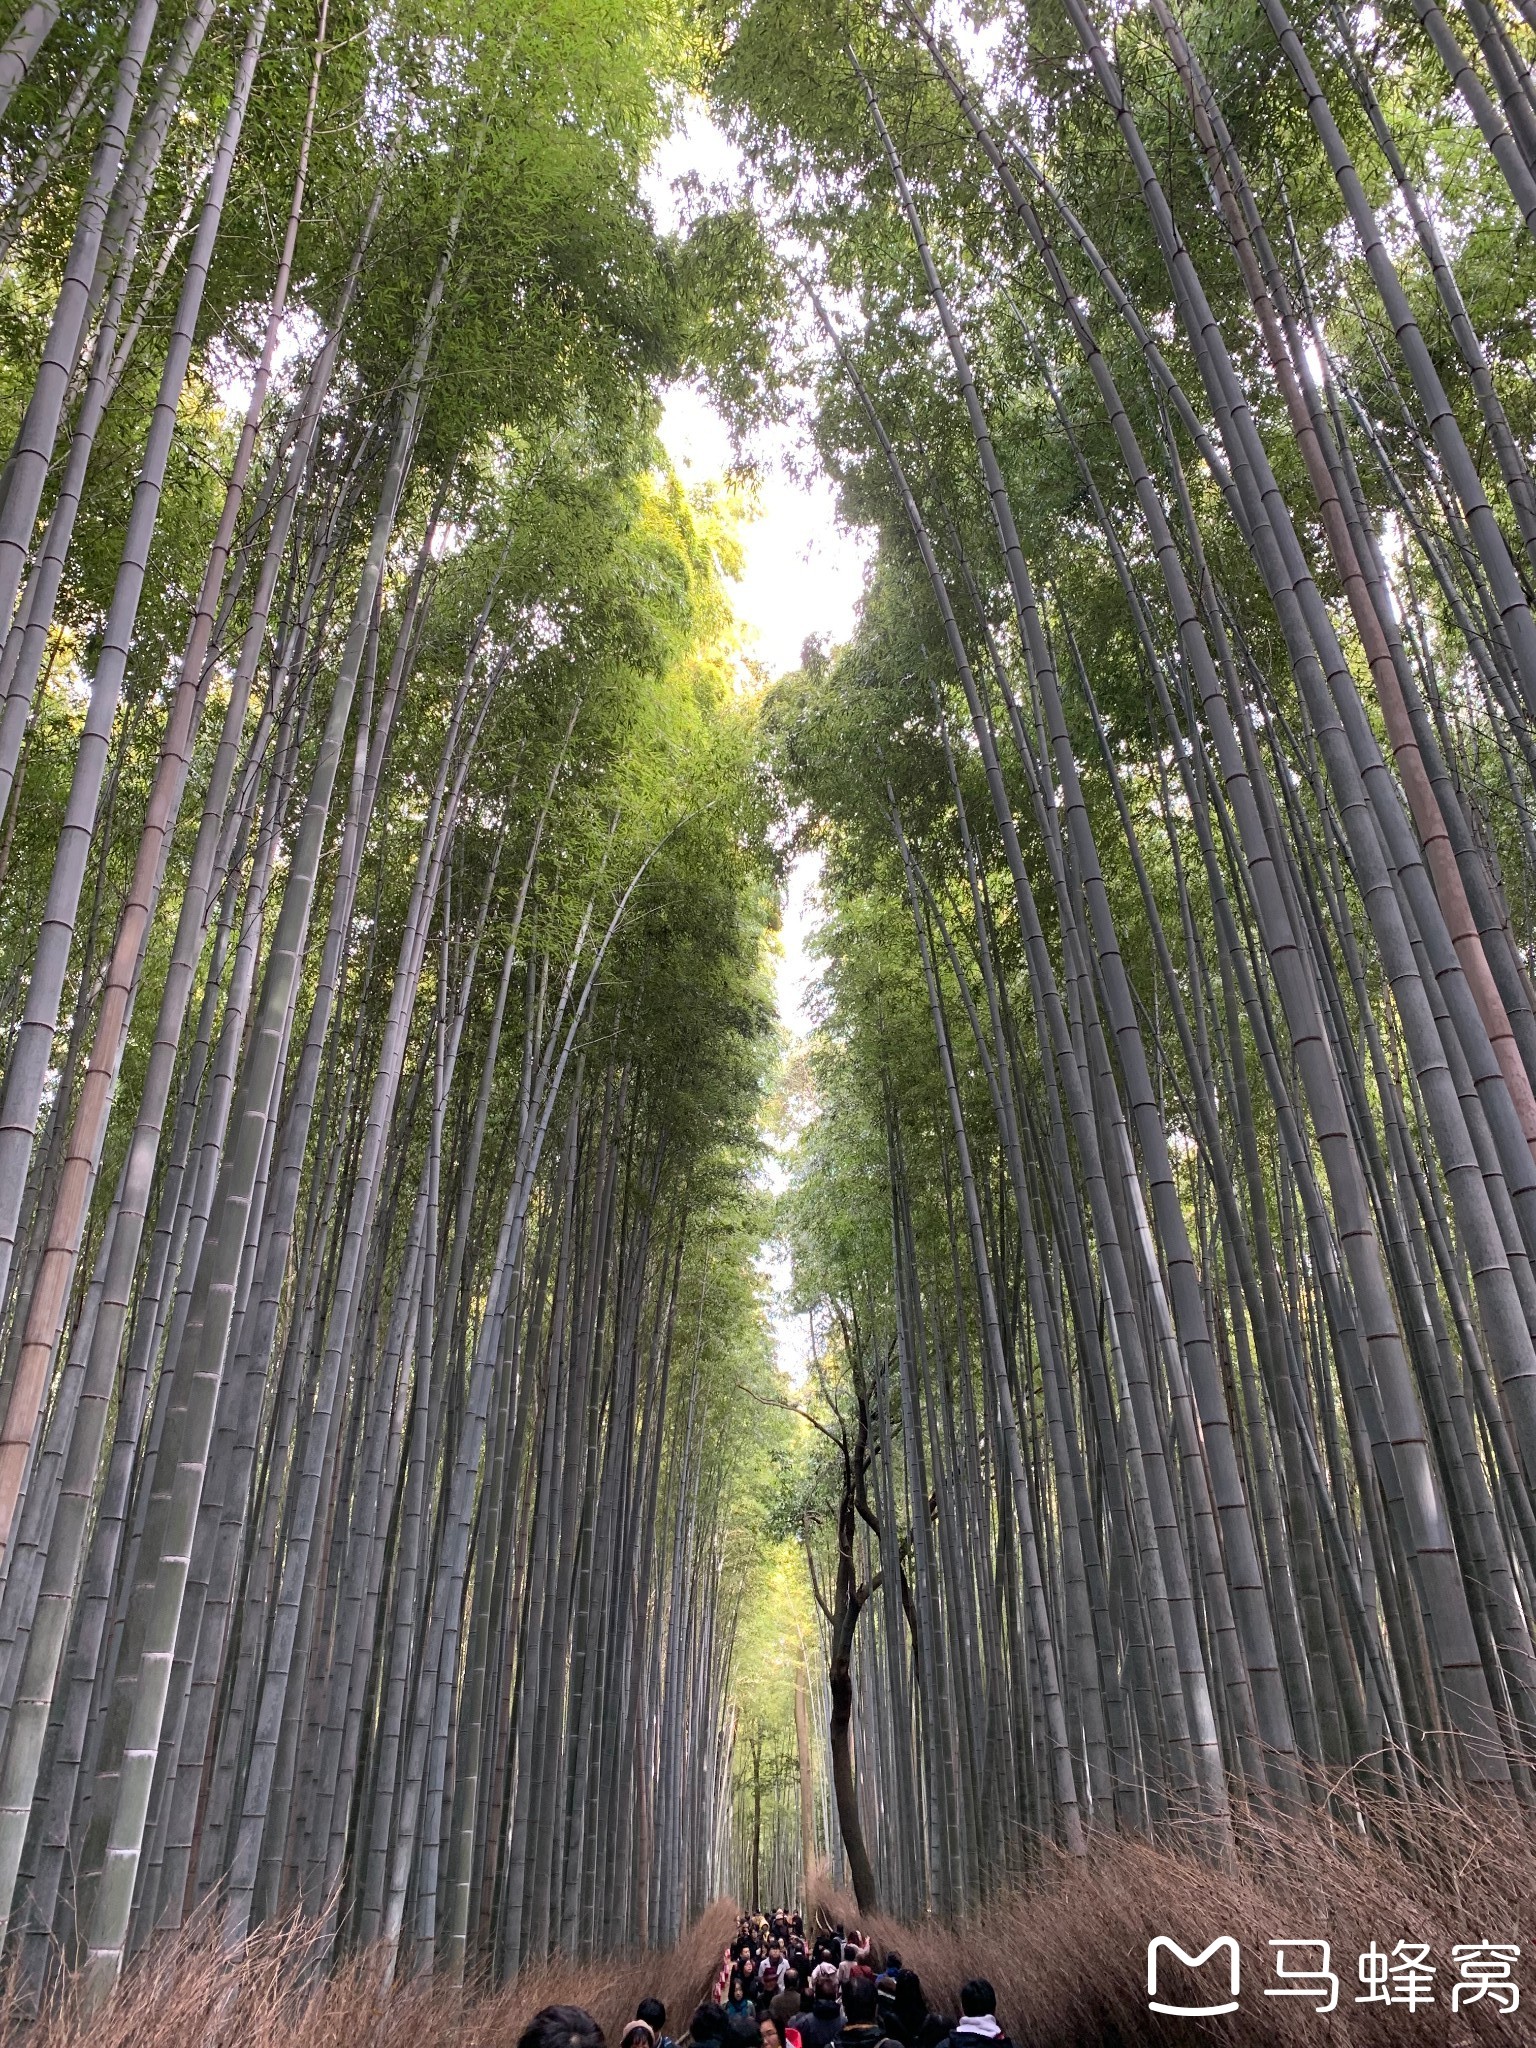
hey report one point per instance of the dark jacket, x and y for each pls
(821, 2025)
(863, 2034)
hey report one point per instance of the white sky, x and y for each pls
(802, 574)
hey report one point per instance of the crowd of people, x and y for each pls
(779, 1988)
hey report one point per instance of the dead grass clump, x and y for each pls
(188, 1991)
(1068, 1955)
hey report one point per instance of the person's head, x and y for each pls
(638, 2035)
(892, 1962)
(824, 1981)
(708, 2023)
(768, 2028)
(561, 2026)
(859, 1998)
(977, 1997)
(741, 2032)
(653, 2012)
(738, 1985)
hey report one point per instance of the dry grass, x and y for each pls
(187, 1993)
(1068, 1956)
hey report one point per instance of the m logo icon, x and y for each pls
(1162, 1941)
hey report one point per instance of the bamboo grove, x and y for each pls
(1165, 1208)
(382, 1016)
(391, 1464)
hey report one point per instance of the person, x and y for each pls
(786, 2003)
(885, 1992)
(654, 2013)
(861, 2026)
(561, 2026)
(709, 2023)
(819, 2023)
(909, 2008)
(738, 2006)
(978, 2023)
(637, 2035)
